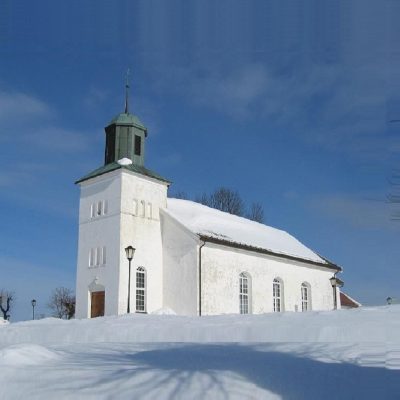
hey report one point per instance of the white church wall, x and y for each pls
(180, 259)
(141, 200)
(96, 233)
(222, 265)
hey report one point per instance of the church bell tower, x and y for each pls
(119, 208)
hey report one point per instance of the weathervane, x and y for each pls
(127, 91)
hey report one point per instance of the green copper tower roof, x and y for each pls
(127, 119)
(125, 145)
(115, 165)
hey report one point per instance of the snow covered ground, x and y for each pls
(346, 354)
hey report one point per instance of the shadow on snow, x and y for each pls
(198, 369)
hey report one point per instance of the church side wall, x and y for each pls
(222, 265)
(97, 232)
(141, 200)
(180, 257)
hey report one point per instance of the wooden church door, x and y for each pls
(97, 308)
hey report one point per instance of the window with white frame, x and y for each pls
(149, 210)
(142, 208)
(92, 256)
(244, 293)
(97, 256)
(98, 209)
(277, 289)
(105, 207)
(140, 290)
(305, 297)
(103, 255)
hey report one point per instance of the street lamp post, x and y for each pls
(33, 302)
(130, 251)
(333, 283)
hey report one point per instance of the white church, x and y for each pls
(140, 251)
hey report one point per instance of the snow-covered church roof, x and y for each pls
(227, 228)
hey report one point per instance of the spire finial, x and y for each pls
(127, 91)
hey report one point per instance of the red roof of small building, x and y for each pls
(347, 301)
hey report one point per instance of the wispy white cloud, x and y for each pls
(95, 97)
(361, 212)
(341, 107)
(57, 138)
(17, 106)
(37, 124)
(11, 176)
(235, 93)
(43, 155)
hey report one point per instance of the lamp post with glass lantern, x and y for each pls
(130, 252)
(33, 302)
(335, 282)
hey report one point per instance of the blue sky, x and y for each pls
(285, 102)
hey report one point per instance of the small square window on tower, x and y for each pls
(138, 145)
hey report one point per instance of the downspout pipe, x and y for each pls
(200, 248)
(335, 294)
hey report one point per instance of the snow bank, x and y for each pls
(26, 354)
(345, 354)
(164, 311)
(207, 221)
(369, 324)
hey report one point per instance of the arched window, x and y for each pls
(305, 297)
(244, 293)
(277, 295)
(140, 290)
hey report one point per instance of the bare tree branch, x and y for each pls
(227, 200)
(256, 212)
(62, 303)
(180, 195)
(6, 299)
(224, 199)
